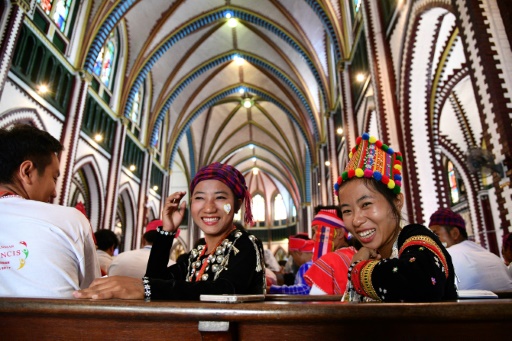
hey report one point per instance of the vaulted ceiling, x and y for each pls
(195, 59)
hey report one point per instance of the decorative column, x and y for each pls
(15, 16)
(322, 176)
(70, 135)
(488, 52)
(383, 78)
(347, 109)
(142, 201)
(333, 157)
(114, 172)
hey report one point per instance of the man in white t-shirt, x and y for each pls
(46, 250)
(133, 263)
(475, 267)
(106, 245)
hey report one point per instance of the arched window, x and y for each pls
(454, 186)
(238, 216)
(279, 208)
(258, 209)
(357, 5)
(104, 65)
(136, 112)
(60, 13)
(159, 146)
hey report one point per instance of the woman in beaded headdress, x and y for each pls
(395, 264)
(228, 260)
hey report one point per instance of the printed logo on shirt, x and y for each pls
(13, 256)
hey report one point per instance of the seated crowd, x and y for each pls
(358, 250)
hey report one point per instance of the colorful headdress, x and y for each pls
(231, 177)
(446, 217)
(299, 244)
(327, 222)
(371, 158)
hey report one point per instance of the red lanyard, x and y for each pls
(205, 262)
(6, 193)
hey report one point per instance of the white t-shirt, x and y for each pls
(105, 260)
(477, 268)
(132, 263)
(46, 250)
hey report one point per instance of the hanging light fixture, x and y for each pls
(247, 101)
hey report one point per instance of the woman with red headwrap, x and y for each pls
(227, 261)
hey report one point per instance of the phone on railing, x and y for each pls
(231, 298)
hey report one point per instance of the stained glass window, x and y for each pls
(258, 208)
(357, 5)
(158, 136)
(452, 180)
(136, 107)
(279, 208)
(105, 61)
(46, 5)
(57, 10)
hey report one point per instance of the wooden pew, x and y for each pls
(274, 319)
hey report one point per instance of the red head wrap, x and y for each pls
(299, 244)
(232, 178)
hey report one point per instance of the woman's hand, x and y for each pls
(365, 253)
(128, 288)
(173, 212)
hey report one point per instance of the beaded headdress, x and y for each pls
(371, 158)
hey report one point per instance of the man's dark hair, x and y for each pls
(25, 142)
(105, 239)
(150, 237)
(463, 233)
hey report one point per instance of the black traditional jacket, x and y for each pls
(236, 267)
(423, 271)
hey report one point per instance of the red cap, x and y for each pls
(299, 244)
(152, 225)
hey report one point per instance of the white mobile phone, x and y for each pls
(231, 298)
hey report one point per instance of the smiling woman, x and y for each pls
(227, 261)
(394, 264)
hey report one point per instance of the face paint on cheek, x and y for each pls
(227, 208)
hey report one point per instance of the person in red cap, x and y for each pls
(300, 248)
(334, 249)
(133, 263)
(228, 260)
(475, 267)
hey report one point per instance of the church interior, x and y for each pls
(142, 94)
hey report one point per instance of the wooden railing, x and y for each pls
(274, 319)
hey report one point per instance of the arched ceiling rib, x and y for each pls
(187, 50)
